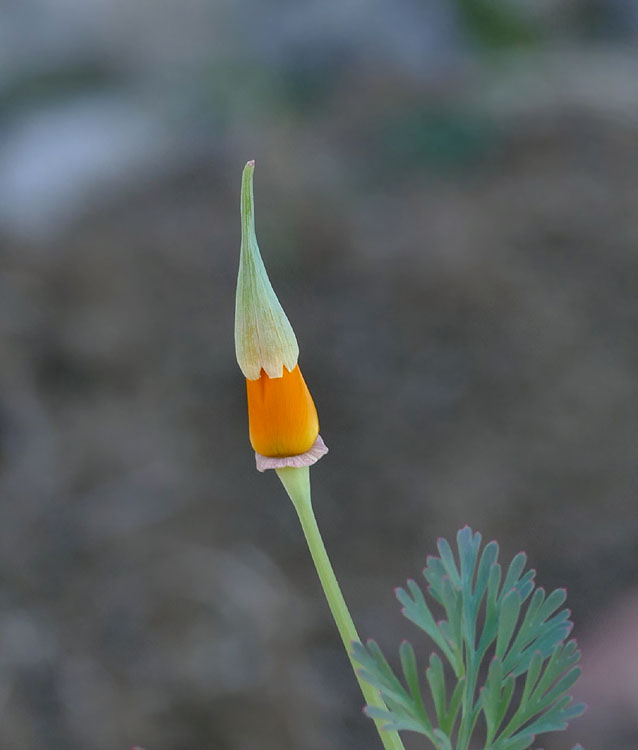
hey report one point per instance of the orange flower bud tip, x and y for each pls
(282, 417)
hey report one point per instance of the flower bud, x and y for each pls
(283, 423)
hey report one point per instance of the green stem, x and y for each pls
(297, 484)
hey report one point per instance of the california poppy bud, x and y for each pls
(283, 423)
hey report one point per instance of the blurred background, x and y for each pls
(447, 196)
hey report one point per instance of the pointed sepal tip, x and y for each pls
(264, 339)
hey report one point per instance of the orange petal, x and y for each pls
(281, 414)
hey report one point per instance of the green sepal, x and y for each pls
(264, 338)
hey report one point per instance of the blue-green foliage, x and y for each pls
(519, 628)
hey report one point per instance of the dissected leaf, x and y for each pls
(510, 608)
(436, 680)
(410, 671)
(525, 628)
(453, 708)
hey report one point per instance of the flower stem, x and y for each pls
(297, 484)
